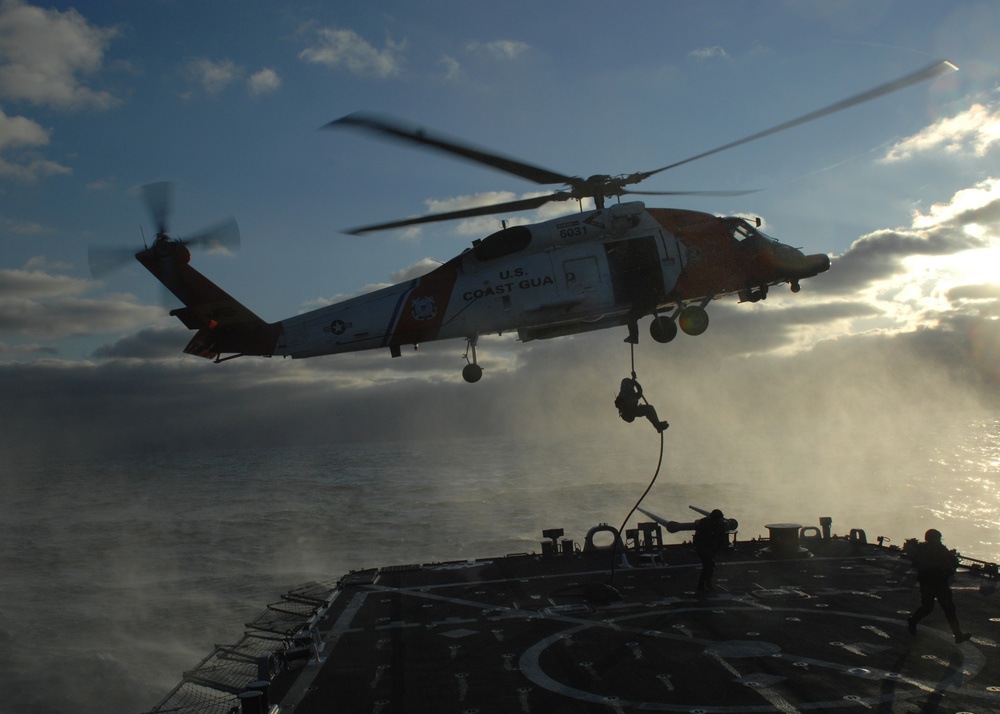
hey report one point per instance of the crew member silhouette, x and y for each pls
(629, 407)
(709, 537)
(935, 566)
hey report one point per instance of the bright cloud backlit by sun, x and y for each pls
(974, 130)
(921, 289)
(943, 266)
(963, 208)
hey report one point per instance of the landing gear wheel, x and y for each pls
(662, 329)
(472, 373)
(693, 320)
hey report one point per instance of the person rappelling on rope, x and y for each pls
(629, 407)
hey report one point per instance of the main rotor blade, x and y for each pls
(224, 236)
(929, 72)
(523, 204)
(158, 197)
(388, 127)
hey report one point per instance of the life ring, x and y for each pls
(588, 544)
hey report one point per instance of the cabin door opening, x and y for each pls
(636, 275)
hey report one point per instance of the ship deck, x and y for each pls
(822, 629)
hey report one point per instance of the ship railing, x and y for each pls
(982, 567)
(210, 687)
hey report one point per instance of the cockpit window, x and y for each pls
(501, 243)
(748, 234)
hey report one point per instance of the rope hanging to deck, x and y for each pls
(656, 473)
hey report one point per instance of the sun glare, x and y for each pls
(974, 267)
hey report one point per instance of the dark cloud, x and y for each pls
(68, 316)
(444, 358)
(36, 304)
(37, 284)
(879, 255)
(702, 385)
(778, 322)
(27, 350)
(148, 344)
(188, 404)
(985, 215)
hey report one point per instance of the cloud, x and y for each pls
(213, 76)
(897, 335)
(18, 136)
(703, 54)
(421, 267)
(32, 350)
(481, 226)
(784, 324)
(936, 275)
(44, 54)
(838, 392)
(474, 200)
(44, 57)
(40, 262)
(415, 270)
(880, 255)
(974, 131)
(452, 68)
(35, 304)
(100, 185)
(944, 230)
(31, 170)
(21, 131)
(153, 343)
(263, 82)
(37, 284)
(72, 316)
(24, 228)
(502, 50)
(974, 292)
(340, 48)
(975, 206)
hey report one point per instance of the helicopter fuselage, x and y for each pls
(582, 272)
(573, 274)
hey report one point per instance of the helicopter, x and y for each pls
(590, 270)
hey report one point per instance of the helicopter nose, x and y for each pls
(816, 264)
(796, 266)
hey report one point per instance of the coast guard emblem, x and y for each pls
(423, 308)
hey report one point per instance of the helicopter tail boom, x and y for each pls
(223, 324)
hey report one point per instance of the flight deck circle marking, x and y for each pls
(971, 664)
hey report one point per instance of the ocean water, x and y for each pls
(119, 574)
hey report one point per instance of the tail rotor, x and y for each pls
(222, 237)
(159, 198)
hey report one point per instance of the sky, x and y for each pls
(229, 99)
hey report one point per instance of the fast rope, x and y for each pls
(656, 473)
